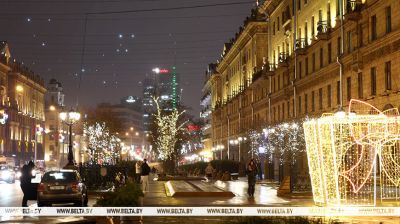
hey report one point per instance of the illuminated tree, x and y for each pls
(103, 147)
(165, 133)
(168, 128)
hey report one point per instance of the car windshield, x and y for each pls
(59, 177)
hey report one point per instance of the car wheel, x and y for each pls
(85, 200)
(78, 204)
(41, 204)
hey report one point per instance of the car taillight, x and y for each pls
(41, 187)
(75, 187)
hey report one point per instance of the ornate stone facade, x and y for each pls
(305, 51)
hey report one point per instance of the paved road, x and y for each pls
(11, 196)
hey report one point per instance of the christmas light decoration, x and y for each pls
(167, 128)
(284, 141)
(103, 146)
(354, 157)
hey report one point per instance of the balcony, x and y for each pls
(323, 30)
(257, 76)
(283, 59)
(353, 10)
(301, 46)
(270, 69)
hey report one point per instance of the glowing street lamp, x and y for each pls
(70, 118)
(19, 88)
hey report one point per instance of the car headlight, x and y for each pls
(18, 174)
(6, 174)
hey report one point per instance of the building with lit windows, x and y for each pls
(205, 113)
(131, 132)
(168, 88)
(24, 105)
(4, 69)
(56, 146)
(149, 91)
(236, 87)
(318, 56)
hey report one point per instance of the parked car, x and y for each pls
(63, 186)
(7, 174)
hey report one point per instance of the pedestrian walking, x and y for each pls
(144, 177)
(209, 171)
(138, 171)
(26, 185)
(252, 171)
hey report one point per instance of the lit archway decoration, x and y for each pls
(354, 157)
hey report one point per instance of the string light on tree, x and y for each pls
(167, 129)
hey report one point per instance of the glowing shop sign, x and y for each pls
(354, 158)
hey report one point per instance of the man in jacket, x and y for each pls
(26, 185)
(144, 177)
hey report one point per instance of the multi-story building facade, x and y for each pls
(4, 69)
(23, 96)
(55, 149)
(205, 113)
(168, 88)
(320, 55)
(232, 83)
(149, 91)
(131, 132)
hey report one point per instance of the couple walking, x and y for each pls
(142, 174)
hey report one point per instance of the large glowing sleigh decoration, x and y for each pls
(354, 157)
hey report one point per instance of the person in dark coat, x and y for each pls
(25, 179)
(251, 177)
(145, 171)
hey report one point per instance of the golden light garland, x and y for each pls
(354, 157)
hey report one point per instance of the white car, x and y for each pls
(7, 174)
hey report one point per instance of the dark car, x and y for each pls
(61, 187)
(7, 174)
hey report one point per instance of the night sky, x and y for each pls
(47, 36)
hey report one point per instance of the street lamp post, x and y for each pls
(70, 118)
(38, 131)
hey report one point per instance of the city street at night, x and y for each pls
(213, 111)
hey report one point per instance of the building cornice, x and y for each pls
(252, 28)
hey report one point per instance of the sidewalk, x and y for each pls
(265, 195)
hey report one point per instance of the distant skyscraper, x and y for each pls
(149, 90)
(164, 84)
(168, 88)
